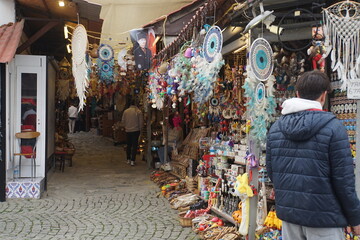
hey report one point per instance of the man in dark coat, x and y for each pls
(309, 161)
(142, 54)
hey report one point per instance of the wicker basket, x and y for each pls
(185, 222)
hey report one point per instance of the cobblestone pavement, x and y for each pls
(100, 197)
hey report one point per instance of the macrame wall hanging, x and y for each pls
(105, 63)
(80, 68)
(342, 38)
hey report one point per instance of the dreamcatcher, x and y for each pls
(121, 58)
(260, 59)
(212, 43)
(260, 93)
(79, 44)
(105, 63)
(342, 32)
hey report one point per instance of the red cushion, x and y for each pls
(27, 150)
(27, 128)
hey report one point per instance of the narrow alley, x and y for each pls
(99, 197)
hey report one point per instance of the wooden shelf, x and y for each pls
(226, 216)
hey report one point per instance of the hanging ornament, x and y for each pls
(342, 38)
(121, 58)
(214, 102)
(105, 52)
(212, 43)
(260, 105)
(260, 92)
(261, 59)
(105, 63)
(64, 74)
(79, 44)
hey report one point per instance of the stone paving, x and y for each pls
(100, 197)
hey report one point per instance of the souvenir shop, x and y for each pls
(227, 100)
(220, 81)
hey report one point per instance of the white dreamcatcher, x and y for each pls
(342, 32)
(79, 45)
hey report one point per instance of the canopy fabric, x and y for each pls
(121, 16)
(10, 35)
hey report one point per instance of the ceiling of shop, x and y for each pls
(44, 24)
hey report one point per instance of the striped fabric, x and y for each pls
(10, 35)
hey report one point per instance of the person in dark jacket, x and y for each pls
(309, 161)
(142, 53)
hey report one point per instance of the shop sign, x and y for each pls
(353, 90)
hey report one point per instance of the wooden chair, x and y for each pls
(64, 151)
(27, 146)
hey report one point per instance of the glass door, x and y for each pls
(28, 110)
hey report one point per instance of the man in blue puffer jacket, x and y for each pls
(309, 161)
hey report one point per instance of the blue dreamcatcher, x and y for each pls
(212, 43)
(105, 63)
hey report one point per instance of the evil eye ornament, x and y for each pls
(105, 52)
(212, 43)
(105, 67)
(260, 92)
(214, 102)
(260, 58)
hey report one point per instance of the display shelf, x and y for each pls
(226, 216)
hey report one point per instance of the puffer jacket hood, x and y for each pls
(302, 125)
(309, 161)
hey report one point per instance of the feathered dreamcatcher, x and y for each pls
(181, 71)
(259, 88)
(342, 38)
(121, 58)
(80, 68)
(105, 63)
(207, 65)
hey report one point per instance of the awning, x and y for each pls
(10, 35)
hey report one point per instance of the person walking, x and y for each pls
(309, 161)
(132, 120)
(72, 114)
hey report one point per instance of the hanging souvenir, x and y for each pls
(121, 58)
(261, 59)
(79, 45)
(342, 38)
(260, 93)
(203, 76)
(214, 102)
(105, 63)
(212, 43)
(261, 104)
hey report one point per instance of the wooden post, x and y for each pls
(148, 134)
(357, 159)
(2, 133)
(165, 128)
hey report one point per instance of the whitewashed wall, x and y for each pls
(7, 11)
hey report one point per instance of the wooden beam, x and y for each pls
(36, 36)
(47, 8)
